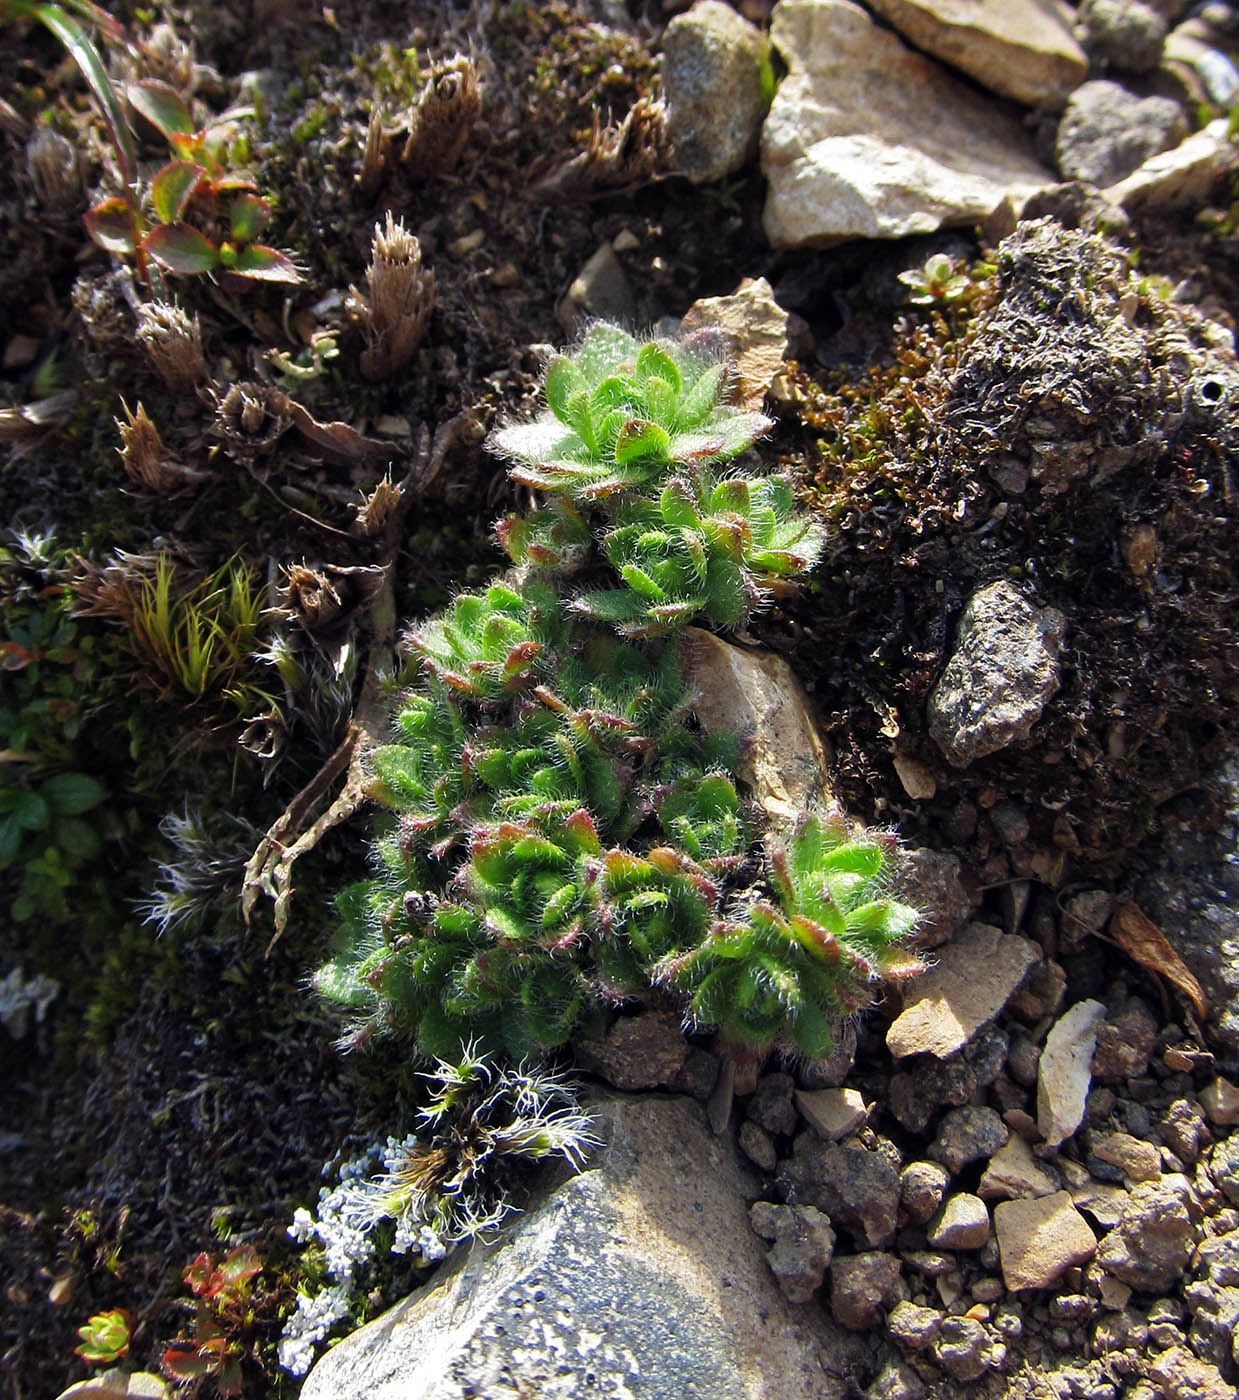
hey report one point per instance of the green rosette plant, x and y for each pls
(561, 836)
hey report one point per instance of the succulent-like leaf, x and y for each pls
(182, 249)
(162, 106)
(173, 187)
(258, 263)
(110, 224)
(248, 216)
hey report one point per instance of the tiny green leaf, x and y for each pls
(639, 438)
(110, 225)
(563, 379)
(72, 793)
(162, 106)
(258, 263)
(181, 249)
(248, 217)
(173, 187)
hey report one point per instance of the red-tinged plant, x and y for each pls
(105, 1338)
(195, 187)
(223, 1318)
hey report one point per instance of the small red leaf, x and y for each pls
(173, 187)
(259, 263)
(162, 106)
(198, 1275)
(180, 248)
(185, 1363)
(110, 225)
(227, 183)
(249, 216)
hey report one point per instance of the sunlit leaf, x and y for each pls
(173, 187)
(261, 264)
(181, 249)
(110, 225)
(162, 106)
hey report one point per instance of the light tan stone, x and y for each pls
(755, 695)
(754, 326)
(976, 974)
(1220, 1101)
(1137, 1160)
(1065, 1071)
(1178, 178)
(832, 1113)
(1013, 1172)
(1039, 1238)
(867, 139)
(1017, 48)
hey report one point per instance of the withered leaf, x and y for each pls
(1145, 943)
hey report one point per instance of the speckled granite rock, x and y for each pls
(641, 1277)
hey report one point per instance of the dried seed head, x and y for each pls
(626, 156)
(376, 509)
(174, 342)
(250, 417)
(374, 157)
(53, 167)
(446, 109)
(169, 58)
(147, 461)
(310, 597)
(110, 590)
(402, 295)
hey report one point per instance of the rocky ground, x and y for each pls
(996, 327)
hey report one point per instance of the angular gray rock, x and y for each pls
(1107, 132)
(1017, 48)
(1181, 177)
(1126, 34)
(1152, 1242)
(717, 83)
(867, 139)
(966, 1135)
(857, 1188)
(1004, 668)
(613, 1286)
(801, 1249)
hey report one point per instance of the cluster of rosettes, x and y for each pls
(562, 836)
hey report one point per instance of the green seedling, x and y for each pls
(193, 191)
(105, 1338)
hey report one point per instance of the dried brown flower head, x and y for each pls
(174, 342)
(376, 509)
(147, 461)
(626, 156)
(54, 171)
(402, 294)
(446, 109)
(250, 417)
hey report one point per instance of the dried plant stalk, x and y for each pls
(147, 461)
(374, 157)
(174, 342)
(402, 295)
(446, 110)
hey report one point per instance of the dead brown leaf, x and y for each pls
(1143, 942)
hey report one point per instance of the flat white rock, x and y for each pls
(1017, 48)
(867, 139)
(974, 978)
(1065, 1071)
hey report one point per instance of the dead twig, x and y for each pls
(270, 868)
